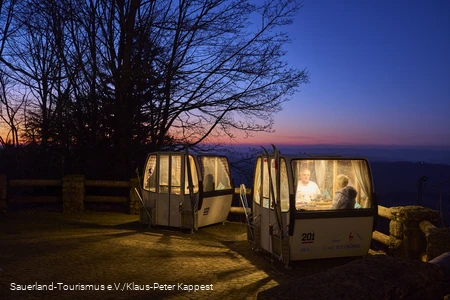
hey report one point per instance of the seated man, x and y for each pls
(345, 197)
(306, 189)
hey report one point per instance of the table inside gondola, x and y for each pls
(320, 205)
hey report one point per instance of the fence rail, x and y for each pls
(381, 237)
(107, 183)
(34, 183)
(384, 239)
(384, 212)
(59, 183)
(105, 199)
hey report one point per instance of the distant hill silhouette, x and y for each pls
(433, 155)
(397, 183)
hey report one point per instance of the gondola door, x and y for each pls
(273, 219)
(170, 193)
(217, 190)
(189, 207)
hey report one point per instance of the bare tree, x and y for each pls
(79, 53)
(221, 73)
(7, 8)
(212, 69)
(12, 101)
(152, 74)
(6, 15)
(33, 57)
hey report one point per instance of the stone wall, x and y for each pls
(438, 242)
(407, 239)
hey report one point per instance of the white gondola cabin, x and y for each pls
(297, 211)
(186, 190)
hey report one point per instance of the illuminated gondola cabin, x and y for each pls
(312, 207)
(186, 190)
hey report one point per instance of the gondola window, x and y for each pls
(284, 186)
(150, 174)
(265, 187)
(215, 173)
(193, 174)
(327, 184)
(257, 182)
(164, 174)
(283, 197)
(175, 182)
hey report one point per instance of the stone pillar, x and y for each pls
(438, 242)
(3, 184)
(404, 226)
(135, 202)
(73, 193)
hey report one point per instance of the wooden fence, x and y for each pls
(413, 233)
(73, 195)
(412, 230)
(59, 183)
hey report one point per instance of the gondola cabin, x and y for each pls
(312, 207)
(186, 190)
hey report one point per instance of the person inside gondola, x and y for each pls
(306, 189)
(345, 197)
(209, 183)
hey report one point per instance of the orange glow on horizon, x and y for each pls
(287, 138)
(3, 133)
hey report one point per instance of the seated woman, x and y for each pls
(345, 197)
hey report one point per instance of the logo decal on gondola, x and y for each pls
(351, 236)
(206, 211)
(308, 238)
(359, 236)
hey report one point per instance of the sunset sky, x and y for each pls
(379, 71)
(379, 75)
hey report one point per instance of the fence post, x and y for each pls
(3, 205)
(135, 203)
(405, 226)
(73, 193)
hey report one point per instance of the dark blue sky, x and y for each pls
(379, 70)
